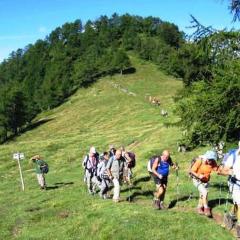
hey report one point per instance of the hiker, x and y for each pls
(103, 174)
(41, 168)
(231, 167)
(160, 171)
(130, 160)
(115, 168)
(200, 173)
(112, 150)
(89, 164)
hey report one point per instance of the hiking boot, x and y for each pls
(161, 206)
(207, 212)
(200, 210)
(228, 221)
(156, 204)
(238, 230)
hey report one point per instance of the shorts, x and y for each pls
(235, 191)
(162, 181)
(201, 186)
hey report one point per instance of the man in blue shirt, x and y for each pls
(160, 170)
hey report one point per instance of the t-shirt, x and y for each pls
(116, 166)
(205, 169)
(163, 167)
(101, 168)
(235, 165)
(38, 164)
(90, 162)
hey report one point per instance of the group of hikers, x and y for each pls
(111, 168)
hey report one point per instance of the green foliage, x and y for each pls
(209, 111)
(76, 55)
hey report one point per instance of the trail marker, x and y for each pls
(18, 157)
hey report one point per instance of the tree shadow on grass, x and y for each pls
(34, 125)
(186, 198)
(140, 193)
(64, 183)
(30, 127)
(142, 179)
(127, 189)
(59, 185)
(219, 201)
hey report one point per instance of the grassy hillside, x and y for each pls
(101, 115)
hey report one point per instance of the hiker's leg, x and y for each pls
(103, 188)
(89, 181)
(236, 201)
(160, 192)
(200, 201)
(238, 221)
(197, 184)
(41, 180)
(95, 184)
(162, 196)
(204, 191)
(116, 189)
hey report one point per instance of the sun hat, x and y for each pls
(210, 155)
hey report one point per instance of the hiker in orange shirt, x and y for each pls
(200, 172)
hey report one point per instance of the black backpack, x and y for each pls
(44, 167)
(132, 164)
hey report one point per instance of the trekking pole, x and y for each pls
(228, 194)
(220, 194)
(129, 193)
(177, 183)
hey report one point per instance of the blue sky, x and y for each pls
(24, 21)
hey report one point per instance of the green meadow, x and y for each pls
(102, 114)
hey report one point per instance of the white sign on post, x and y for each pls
(18, 156)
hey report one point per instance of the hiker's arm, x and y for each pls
(109, 173)
(108, 167)
(175, 166)
(224, 170)
(154, 168)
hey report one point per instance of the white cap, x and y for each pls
(92, 150)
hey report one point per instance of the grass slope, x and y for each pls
(101, 115)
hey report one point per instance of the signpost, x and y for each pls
(18, 157)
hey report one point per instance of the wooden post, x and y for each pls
(20, 170)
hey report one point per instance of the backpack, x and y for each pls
(132, 164)
(44, 167)
(150, 163)
(228, 154)
(191, 164)
(86, 160)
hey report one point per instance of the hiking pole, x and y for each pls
(177, 183)
(228, 217)
(129, 192)
(220, 194)
(230, 190)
